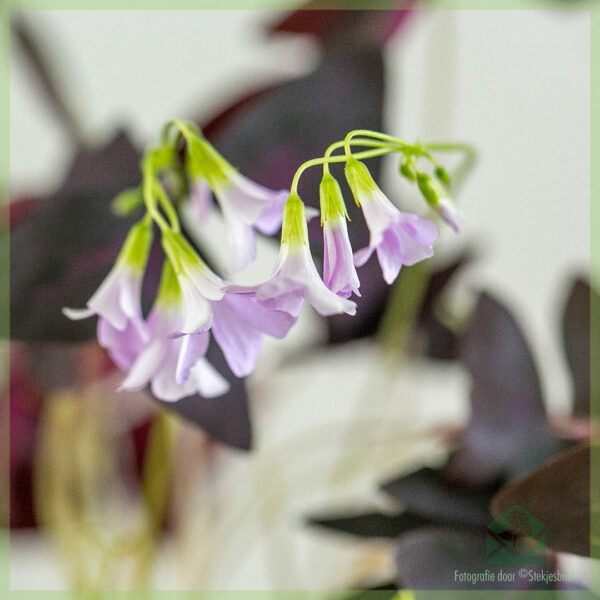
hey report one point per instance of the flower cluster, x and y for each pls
(167, 349)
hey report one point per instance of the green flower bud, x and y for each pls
(407, 172)
(430, 188)
(443, 176)
(127, 202)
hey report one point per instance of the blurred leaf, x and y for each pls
(226, 418)
(558, 494)
(61, 253)
(427, 559)
(343, 27)
(576, 342)
(35, 50)
(429, 494)
(507, 434)
(372, 524)
(440, 342)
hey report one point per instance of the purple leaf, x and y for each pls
(558, 494)
(63, 250)
(372, 524)
(226, 418)
(576, 343)
(344, 27)
(507, 434)
(428, 559)
(428, 493)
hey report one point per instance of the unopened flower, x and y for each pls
(295, 277)
(121, 327)
(339, 273)
(399, 238)
(245, 204)
(174, 366)
(437, 197)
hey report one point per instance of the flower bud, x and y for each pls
(407, 172)
(443, 176)
(430, 188)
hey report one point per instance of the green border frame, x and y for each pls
(593, 7)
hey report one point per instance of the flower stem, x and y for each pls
(336, 159)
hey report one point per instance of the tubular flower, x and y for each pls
(198, 285)
(398, 238)
(339, 273)
(121, 327)
(245, 204)
(295, 277)
(174, 366)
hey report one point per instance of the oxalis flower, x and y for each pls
(339, 273)
(174, 365)
(121, 327)
(295, 277)
(399, 238)
(245, 204)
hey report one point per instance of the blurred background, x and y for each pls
(331, 419)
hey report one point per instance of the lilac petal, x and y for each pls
(412, 252)
(269, 220)
(362, 256)
(147, 364)
(193, 348)
(450, 213)
(421, 230)
(239, 341)
(164, 382)
(117, 298)
(389, 254)
(201, 200)
(339, 274)
(242, 243)
(281, 293)
(275, 323)
(245, 198)
(123, 346)
(197, 311)
(209, 382)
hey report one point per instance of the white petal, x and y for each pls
(77, 314)
(209, 382)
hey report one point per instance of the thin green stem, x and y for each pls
(167, 206)
(148, 195)
(469, 160)
(336, 159)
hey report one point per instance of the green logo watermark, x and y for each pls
(516, 538)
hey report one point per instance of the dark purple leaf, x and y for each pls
(428, 559)
(226, 418)
(61, 253)
(429, 494)
(372, 524)
(343, 27)
(576, 342)
(507, 434)
(558, 494)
